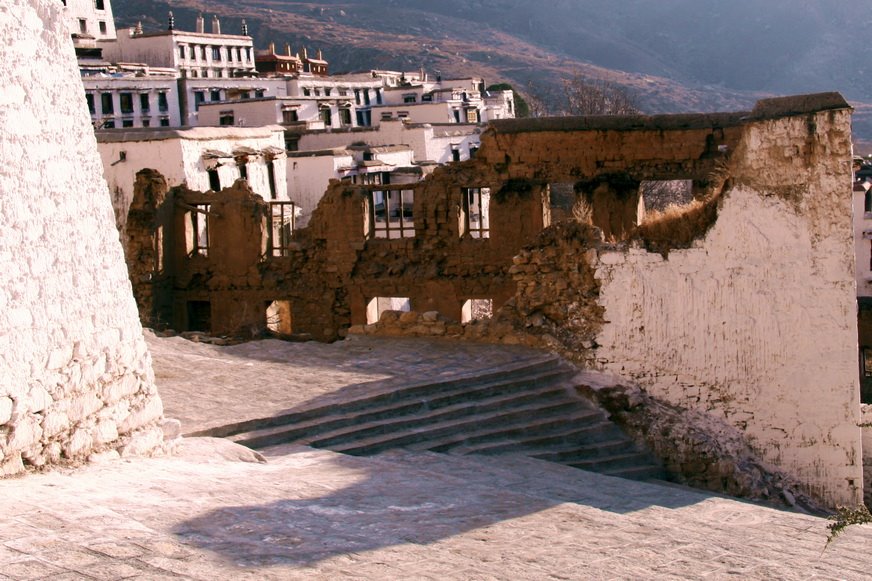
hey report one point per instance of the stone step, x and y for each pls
(647, 471)
(615, 462)
(452, 419)
(507, 423)
(526, 369)
(593, 428)
(581, 451)
(523, 388)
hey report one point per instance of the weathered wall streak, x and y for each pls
(75, 372)
(757, 322)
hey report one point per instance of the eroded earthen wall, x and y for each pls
(75, 373)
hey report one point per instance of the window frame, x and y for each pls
(402, 225)
(471, 198)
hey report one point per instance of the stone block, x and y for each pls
(106, 431)
(151, 411)
(84, 406)
(430, 316)
(409, 318)
(11, 465)
(5, 409)
(38, 399)
(54, 423)
(143, 443)
(80, 443)
(26, 432)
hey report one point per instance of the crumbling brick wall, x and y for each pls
(75, 372)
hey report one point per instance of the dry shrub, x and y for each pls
(678, 226)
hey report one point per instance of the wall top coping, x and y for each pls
(188, 133)
(764, 109)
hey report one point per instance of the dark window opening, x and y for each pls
(867, 205)
(199, 98)
(226, 118)
(126, 102)
(162, 103)
(271, 178)
(345, 116)
(144, 102)
(199, 316)
(214, 180)
(164, 121)
(326, 116)
(89, 97)
(127, 123)
(290, 116)
(106, 104)
(455, 153)
(215, 95)
(243, 169)
(102, 26)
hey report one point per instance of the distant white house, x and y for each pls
(132, 96)
(90, 19)
(197, 54)
(203, 158)
(862, 199)
(310, 172)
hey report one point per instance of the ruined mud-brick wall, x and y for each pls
(335, 266)
(75, 373)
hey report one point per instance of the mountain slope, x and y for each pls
(672, 55)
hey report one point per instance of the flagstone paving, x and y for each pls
(214, 511)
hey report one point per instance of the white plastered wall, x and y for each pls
(757, 323)
(75, 372)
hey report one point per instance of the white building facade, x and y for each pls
(203, 158)
(90, 18)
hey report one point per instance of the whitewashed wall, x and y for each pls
(757, 323)
(75, 372)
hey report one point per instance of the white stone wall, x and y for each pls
(75, 372)
(757, 322)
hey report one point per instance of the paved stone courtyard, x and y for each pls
(215, 512)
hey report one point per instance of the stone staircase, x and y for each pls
(527, 409)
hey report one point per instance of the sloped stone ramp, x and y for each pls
(526, 408)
